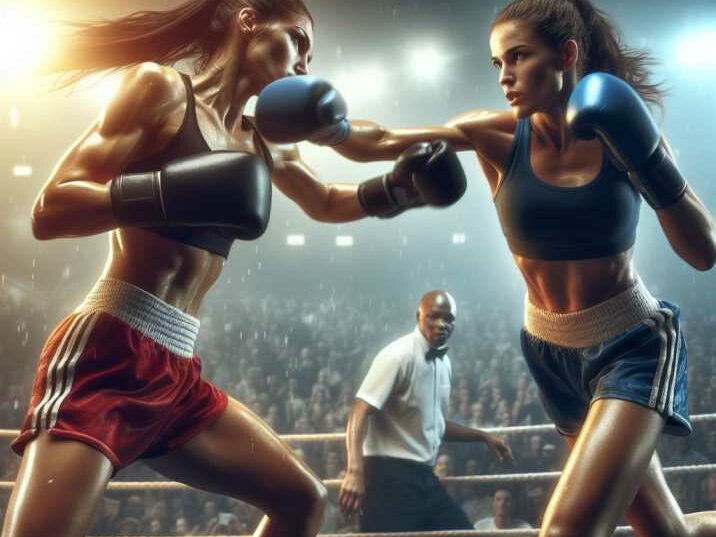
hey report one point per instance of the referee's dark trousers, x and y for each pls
(405, 495)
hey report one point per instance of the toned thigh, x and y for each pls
(606, 467)
(239, 455)
(57, 489)
(654, 511)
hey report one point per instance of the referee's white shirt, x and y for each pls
(412, 395)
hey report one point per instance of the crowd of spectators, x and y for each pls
(297, 363)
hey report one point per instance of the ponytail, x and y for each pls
(605, 52)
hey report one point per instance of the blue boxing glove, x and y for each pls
(297, 108)
(606, 106)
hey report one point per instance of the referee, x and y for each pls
(395, 427)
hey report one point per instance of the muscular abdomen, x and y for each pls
(177, 273)
(569, 286)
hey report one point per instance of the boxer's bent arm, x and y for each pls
(690, 228)
(75, 201)
(322, 202)
(370, 141)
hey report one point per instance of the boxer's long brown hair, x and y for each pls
(195, 29)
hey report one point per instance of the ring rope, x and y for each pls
(339, 437)
(621, 530)
(335, 483)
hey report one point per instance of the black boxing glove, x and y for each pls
(228, 189)
(424, 174)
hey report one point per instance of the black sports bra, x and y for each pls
(189, 141)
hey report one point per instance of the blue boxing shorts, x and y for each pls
(645, 363)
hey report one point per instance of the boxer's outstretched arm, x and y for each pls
(369, 141)
(331, 202)
(424, 174)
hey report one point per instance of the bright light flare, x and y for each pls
(24, 40)
(362, 83)
(427, 62)
(697, 49)
(459, 238)
(295, 240)
(22, 170)
(344, 241)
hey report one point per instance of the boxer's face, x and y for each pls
(436, 320)
(276, 48)
(531, 73)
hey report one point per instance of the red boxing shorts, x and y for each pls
(120, 374)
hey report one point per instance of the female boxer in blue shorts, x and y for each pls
(609, 359)
(175, 172)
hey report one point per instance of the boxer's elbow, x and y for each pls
(43, 224)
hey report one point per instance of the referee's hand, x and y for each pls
(499, 449)
(352, 492)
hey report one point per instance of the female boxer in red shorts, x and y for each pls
(175, 172)
(608, 358)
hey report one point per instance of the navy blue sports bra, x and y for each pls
(189, 141)
(544, 221)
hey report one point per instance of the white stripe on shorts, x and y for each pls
(70, 370)
(49, 384)
(661, 324)
(675, 366)
(55, 370)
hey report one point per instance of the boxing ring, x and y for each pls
(476, 479)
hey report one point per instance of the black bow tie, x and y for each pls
(434, 353)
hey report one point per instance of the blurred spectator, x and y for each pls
(181, 527)
(502, 514)
(532, 460)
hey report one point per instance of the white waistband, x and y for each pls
(159, 321)
(594, 324)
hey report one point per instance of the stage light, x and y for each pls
(24, 39)
(22, 170)
(697, 49)
(344, 241)
(459, 238)
(295, 240)
(427, 62)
